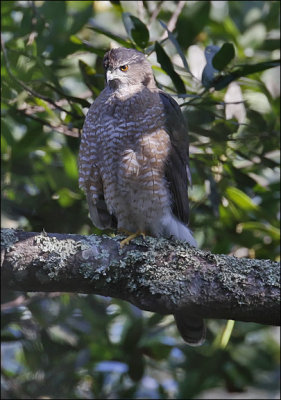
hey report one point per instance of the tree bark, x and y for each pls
(157, 275)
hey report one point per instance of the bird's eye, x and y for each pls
(124, 68)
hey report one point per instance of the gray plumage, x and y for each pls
(133, 159)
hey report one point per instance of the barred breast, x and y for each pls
(125, 148)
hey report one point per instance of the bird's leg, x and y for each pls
(125, 231)
(130, 237)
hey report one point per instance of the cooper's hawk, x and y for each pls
(133, 160)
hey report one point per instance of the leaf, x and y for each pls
(177, 46)
(82, 102)
(247, 69)
(168, 67)
(94, 82)
(243, 70)
(224, 128)
(223, 56)
(192, 20)
(136, 365)
(209, 72)
(154, 347)
(70, 163)
(111, 35)
(261, 226)
(239, 176)
(136, 29)
(132, 335)
(51, 113)
(117, 4)
(80, 19)
(226, 333)
(257, 123)
(241, 199)
(86, 45)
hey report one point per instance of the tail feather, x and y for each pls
(173, 227)
(191, 328)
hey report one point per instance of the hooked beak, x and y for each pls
(111, 75)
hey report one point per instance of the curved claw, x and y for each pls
(131, 237)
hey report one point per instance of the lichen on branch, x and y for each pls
(155, 274)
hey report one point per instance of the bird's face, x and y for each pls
(127, 67)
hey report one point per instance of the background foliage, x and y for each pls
(76, 346)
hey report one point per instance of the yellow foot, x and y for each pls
(131, 237)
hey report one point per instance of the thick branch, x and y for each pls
(154, 274)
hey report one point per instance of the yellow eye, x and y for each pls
(124, 68)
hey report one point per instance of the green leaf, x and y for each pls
(247, 69)
(241, 199)
(168, 67)
(84, 44)
(223, 129)
(70, 163)
(192, 20)
(111, 35)
(132, 335)
(226, 333)
(177, 46)
(136, 29)
(80, 19)
(136, 365)
(261, 226)
(117, 4)
(243, 70)
(223, 56)
(51, 113)
(94, 82)
(66, 197)
(223, 81)
(82, 102)
(153, 347)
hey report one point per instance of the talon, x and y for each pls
(130, 238)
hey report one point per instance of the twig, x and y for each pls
(155, 13)
(173, 20)
(74, 132)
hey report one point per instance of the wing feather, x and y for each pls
(89, 176)
(177, 165)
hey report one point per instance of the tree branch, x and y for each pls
(157, 275)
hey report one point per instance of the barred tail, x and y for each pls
(191, 328)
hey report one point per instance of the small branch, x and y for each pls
(156, 11)
(141, 10)
(74, 132)
(173, 20)
(157, 275)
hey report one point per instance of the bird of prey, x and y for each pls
(134, 160)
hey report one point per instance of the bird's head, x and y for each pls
(127, 67)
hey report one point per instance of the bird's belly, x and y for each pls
(138, 195)
(143, 207)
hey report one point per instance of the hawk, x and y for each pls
(134, 160)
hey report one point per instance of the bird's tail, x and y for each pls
(173, 227)
(191, 328)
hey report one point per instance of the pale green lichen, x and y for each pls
(148, 265)
(8, 239)
(89, 243)
(58, 252)
(103, 255)
(92, 250)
